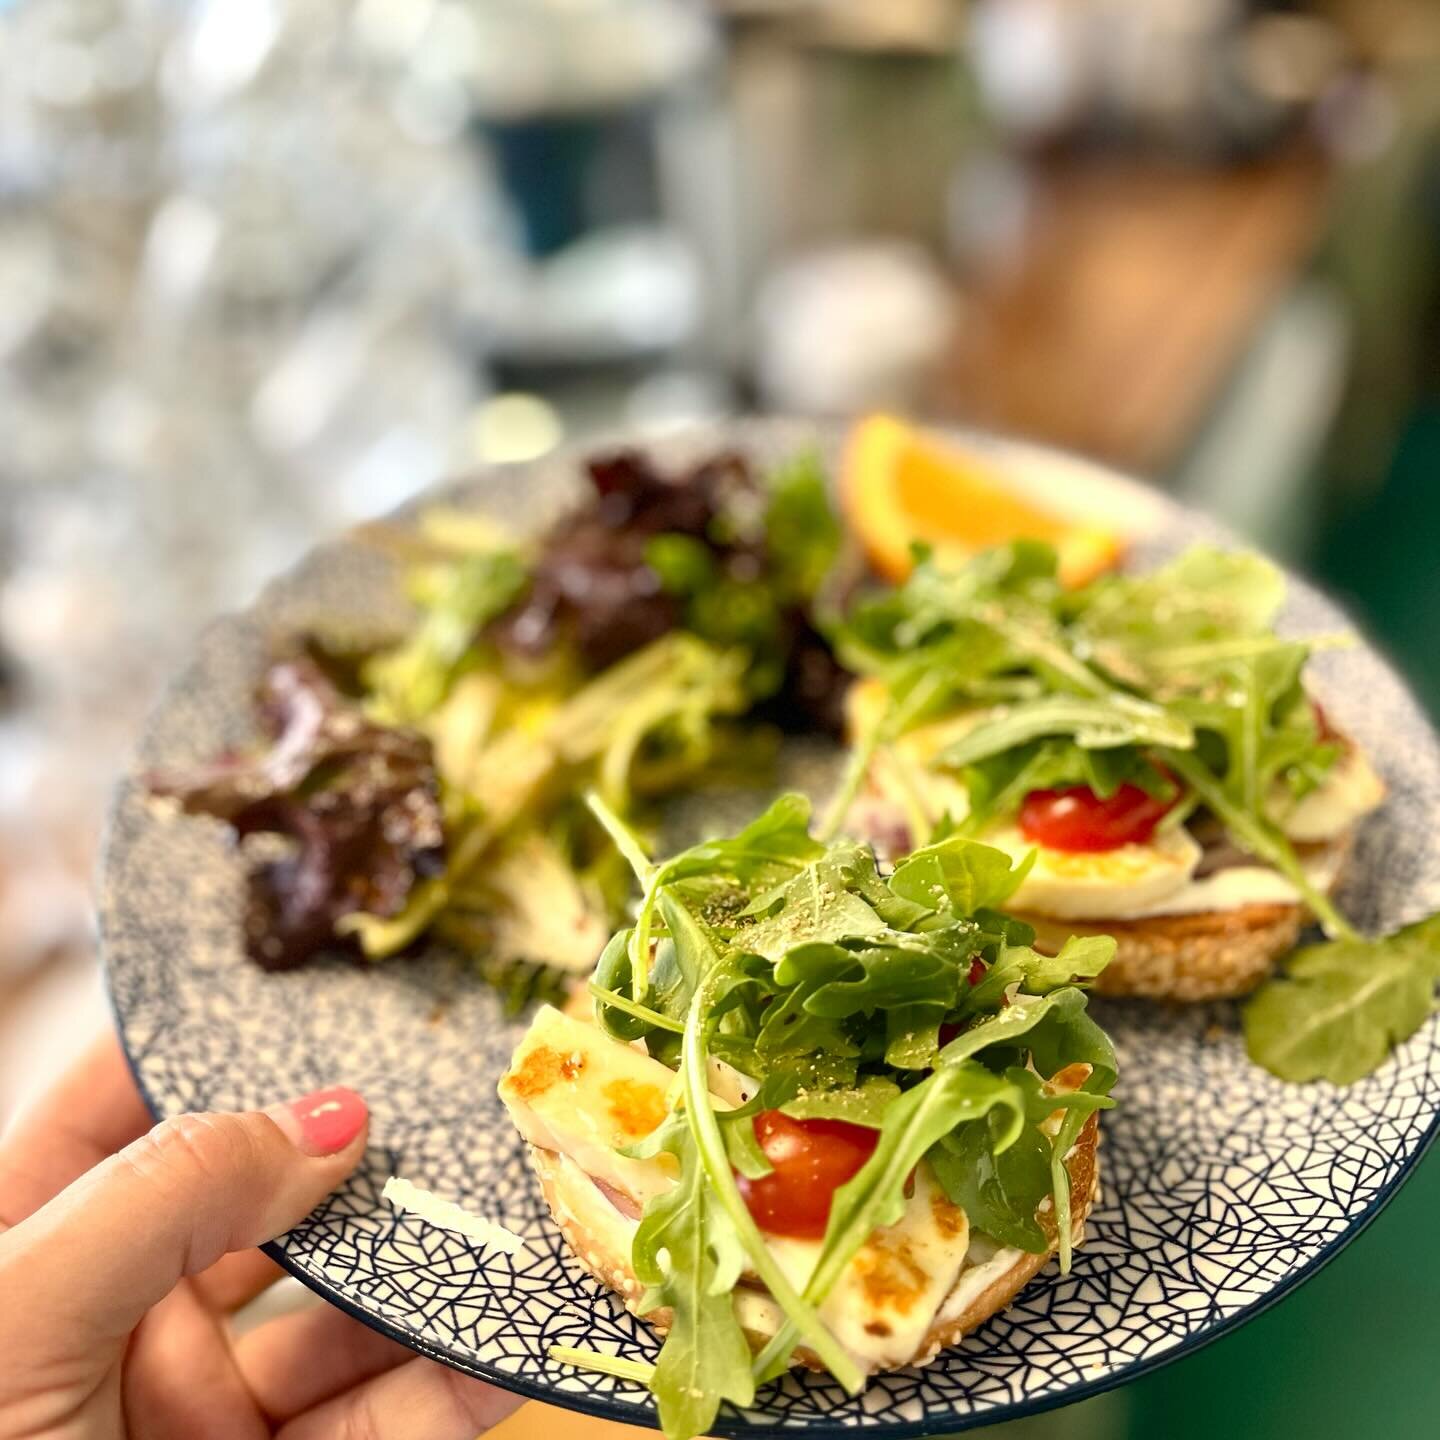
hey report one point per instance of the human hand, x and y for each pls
(120, 1268)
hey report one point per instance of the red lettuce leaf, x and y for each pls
(359, 802)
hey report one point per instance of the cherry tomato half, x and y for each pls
(811, 1160)
(1077, 819)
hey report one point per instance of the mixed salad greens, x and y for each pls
(1174, 683)
(619, 650)
(907, 1005)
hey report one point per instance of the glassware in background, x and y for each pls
(235, 238)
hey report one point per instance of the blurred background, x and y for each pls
(267, 267)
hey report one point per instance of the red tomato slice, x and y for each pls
(1077, 819)
(811, 1160)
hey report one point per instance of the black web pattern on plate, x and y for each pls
(1219, 1184)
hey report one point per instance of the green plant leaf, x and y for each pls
(687, 1253)
(1338, 1009)
(958, 874)
(1000, 1193)
(815, 905)
(413, 678)
(1081, 957)
(864, 1104)
(1097, 722)
(802, 533)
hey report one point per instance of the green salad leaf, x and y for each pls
(958, 874)
(802, 531)
(1000, 1189)
(1094, 722)
(1154, 632)
(818, 904)
(687, 1253)
(658, 702)
(1337, 1010)
(410, 681)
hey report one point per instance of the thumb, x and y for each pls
(100, 1254)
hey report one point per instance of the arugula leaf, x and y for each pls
(1017, 1019)
(1338, 1009)
(959, 874)
(791, 1028)
(719, 977)
(861, 976)
(1081, 957)
(742, 1145)
(816, 905)
(770, 848)
(1094, 722)
(412, 679)
(865, 1104)
(1260, 836)
(1000, 1193)
(1149, 630)
(1066, 1035)
(912, 1035)
(1065, 1139)
(687, 1253)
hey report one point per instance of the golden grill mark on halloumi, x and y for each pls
(637, 1107)
(576, 1090)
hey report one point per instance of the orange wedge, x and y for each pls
(898, 485)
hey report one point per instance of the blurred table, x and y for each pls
(1137, 292)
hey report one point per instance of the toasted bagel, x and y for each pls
(599, 1235)
(1214, 955)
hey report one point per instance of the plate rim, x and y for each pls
(645, 1415)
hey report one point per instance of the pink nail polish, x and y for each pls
(328, 1120)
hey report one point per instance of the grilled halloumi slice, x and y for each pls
(574, 1089)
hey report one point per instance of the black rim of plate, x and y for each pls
(604, 1406)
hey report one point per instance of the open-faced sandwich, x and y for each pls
(814, 1115)
(1148, 742)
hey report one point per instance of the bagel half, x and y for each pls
(1215, 955)
(599, 1235)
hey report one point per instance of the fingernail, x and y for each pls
(324, 1122)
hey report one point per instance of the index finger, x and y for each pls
(92, 1111)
